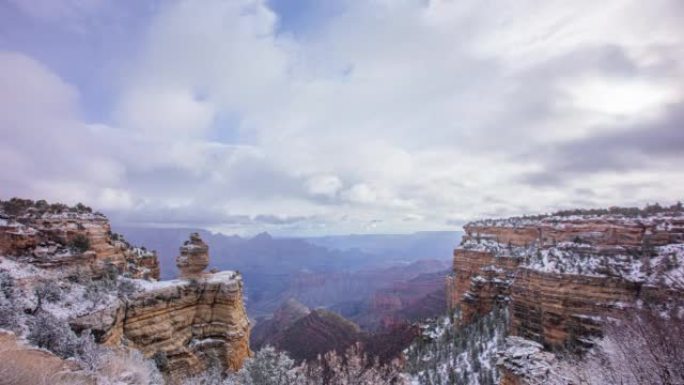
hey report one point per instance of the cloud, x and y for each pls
(324, 185)
(379, 116)
(166, 112)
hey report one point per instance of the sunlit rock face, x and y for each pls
(560, 274)
(193, 258)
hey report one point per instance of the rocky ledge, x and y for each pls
(59, 237)
(563, 275)
(186, 324)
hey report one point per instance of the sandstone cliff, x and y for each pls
(64, 265)
(189, 323)
(561, 275)
(64, 238)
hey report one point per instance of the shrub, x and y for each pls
(126, 288)
(96, 291)
(46, 331)
(48, 291)
(161, 360)
(81, 208)
(267, 367)
(7, 284)
(111, 272)
(9, 314)
(80, 243)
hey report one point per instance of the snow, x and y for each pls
(223, 277)
(659, 220)
(667, 267)
(73, 301)
(226, 276)
(19, 270)
(450, 351)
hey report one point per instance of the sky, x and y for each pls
(307, 117)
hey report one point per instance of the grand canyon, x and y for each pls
(531, 292)
(341, 192)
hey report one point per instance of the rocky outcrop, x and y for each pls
(561, 275)
(188, 322)
(524, 362)
(479, 280)
(193, 258)
(63, 238)
(104, 285)
(191, 323)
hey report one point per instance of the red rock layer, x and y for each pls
(480, 279)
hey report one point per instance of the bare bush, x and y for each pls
(646, 349)
(9, 314)
(46, 331)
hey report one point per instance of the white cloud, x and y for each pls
(325, 185)
(167, 113)
(391, 114)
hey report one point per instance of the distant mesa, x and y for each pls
(193, 258)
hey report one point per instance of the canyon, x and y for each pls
(521, 295)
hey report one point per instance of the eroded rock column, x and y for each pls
(193, 258)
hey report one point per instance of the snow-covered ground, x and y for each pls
(451, 354)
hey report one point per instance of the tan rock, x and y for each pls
(193, 258)
(550, 304)
(188, 321)
(23, 364)
(47, 240)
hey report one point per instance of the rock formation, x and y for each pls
(188, 322)
(102, 284)
(193, 258)
(62, 238)
(560, 275)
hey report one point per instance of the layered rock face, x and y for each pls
(192, 321)
(562, 274)
(189, 323)
(104, 285)
(69, 238)
(480, 279)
